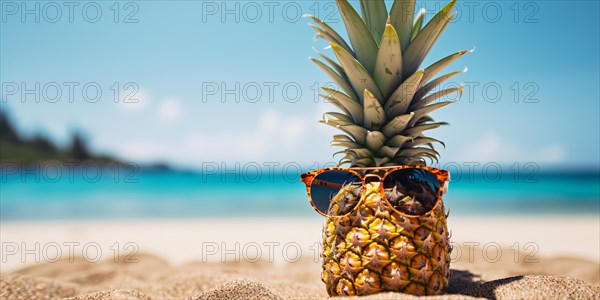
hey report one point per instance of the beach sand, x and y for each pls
(494, 258)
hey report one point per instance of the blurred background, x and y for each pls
(202, 109)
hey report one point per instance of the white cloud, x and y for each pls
(145, 151)
(491, 147)
(553, 153)
(132, 102)
(169, 110)
(273, 137)
(272, 134)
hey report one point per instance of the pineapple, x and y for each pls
(385, 99)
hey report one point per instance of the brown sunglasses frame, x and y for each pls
(443, 177)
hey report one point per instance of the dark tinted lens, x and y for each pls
(412, 191)
(336, 192)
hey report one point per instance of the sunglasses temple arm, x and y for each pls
(327, 184)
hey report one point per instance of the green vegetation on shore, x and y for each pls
(16, 148)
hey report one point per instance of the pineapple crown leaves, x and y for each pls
(384, 98)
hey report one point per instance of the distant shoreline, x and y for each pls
(76, 164)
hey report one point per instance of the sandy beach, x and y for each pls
(493, 257)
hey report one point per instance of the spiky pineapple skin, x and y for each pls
(377, 249)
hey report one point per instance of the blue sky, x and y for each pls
(532, 83)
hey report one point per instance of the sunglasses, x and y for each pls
(410, 190)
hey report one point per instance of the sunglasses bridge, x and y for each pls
(368, 178)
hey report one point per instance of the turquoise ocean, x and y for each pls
(142, 194)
